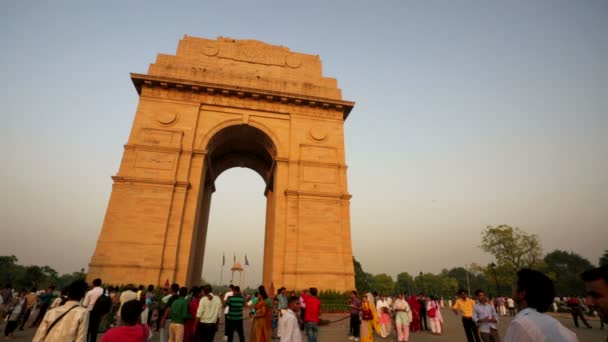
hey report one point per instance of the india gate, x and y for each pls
(215, 105)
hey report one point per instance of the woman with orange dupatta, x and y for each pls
(415, 307)
(260, 327)
(369, 319)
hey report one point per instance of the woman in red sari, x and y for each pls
(415, 307)
(190, 324)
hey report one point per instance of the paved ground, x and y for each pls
(452, 331)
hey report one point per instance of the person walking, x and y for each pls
(234, 318)
(30, 301)
(282, 298)
(165, 319)
(423, 315)
(208, 315)
(574, 304)
(403, 317)
(466, 305)
(534, 294)
(486, 318)
(511, 306)
(433, 311)
(313, 312)
(369, 319)
(354, 303)
(384, 316)
(46, 300)
(132, 329)
(68, 322)
(291, 327)
(260, 331)
(16, 308)
(89, 302)
(415, 308)
(178, 314)
(226, 296)
(190, 324)
(596, 285)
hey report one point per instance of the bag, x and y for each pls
(102, 306)
(367, 315)
(432, 312)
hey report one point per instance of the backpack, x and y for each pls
(102, 306)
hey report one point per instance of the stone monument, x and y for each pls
(214, 105)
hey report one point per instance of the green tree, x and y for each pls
(512, 247)
(363, 280)
(604, 258)
(9, 270)
(405, 283)
(493, 280)
(565, 268)
(383, 283)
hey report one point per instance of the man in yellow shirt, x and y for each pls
(465, 305)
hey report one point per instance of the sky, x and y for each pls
(468, 114)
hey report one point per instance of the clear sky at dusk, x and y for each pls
(468, 113)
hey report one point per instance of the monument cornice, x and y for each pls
(139, 80)
(130, 179)
(345, 196)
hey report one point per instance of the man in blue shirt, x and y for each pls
(484, 315)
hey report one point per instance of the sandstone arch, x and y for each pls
(226, 103)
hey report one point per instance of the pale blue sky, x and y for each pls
(469, 113)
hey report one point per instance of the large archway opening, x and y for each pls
(236, 228)
(235, 146)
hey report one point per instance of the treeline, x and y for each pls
(33, 276)
(512, 249)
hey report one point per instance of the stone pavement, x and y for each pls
(452, 331)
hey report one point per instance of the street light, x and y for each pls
(493, 266)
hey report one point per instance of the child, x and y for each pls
(275, 317)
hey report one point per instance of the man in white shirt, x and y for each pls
(534, 295)
(290, 329)
(228, 294)
(68, 322)
(511, 306)
(89, 302)
(208, 315)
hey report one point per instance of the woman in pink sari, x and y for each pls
(415, 307)
(384, 316)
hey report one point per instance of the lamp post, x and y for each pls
(422, 281)
(466, 273)
(493, 265)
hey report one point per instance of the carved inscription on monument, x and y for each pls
(155, 160)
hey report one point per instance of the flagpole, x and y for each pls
(222, 268)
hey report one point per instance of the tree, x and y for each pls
(363, 280)
(383, 283)
(604, 258)
(512, 247)
(472, 278)
(565, 268)
(405, 283)
(9, 269)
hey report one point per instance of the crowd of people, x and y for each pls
(80, 313)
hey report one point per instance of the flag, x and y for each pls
(246, 261)
(223, 258)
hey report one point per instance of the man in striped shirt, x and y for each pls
(234, 318)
